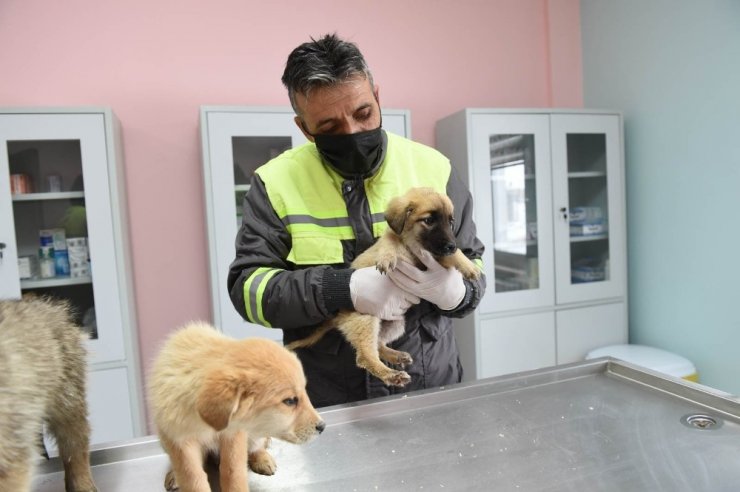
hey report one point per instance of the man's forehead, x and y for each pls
(321, 102)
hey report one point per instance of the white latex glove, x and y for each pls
(373, 293)
(441, 286)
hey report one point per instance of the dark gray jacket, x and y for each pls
(301, 297)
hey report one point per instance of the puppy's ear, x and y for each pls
(223, 391)
(398, 210)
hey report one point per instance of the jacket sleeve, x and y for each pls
(267, 289)
(468, 242)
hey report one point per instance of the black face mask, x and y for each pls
(353, 156)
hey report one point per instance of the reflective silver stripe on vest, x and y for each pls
(333, 222)
(307, 219)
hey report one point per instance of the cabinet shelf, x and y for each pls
(587, 174)
(63, 195)
(594, 237)
(42, 283)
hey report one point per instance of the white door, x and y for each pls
(59, 150)
(512, 186)
(237, 140)
(588, 207)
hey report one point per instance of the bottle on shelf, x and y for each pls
(47, 268)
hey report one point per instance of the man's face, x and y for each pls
(349, 107)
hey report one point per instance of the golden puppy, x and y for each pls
(43, 370)
(209, 392)
(419, 219)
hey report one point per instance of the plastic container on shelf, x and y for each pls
(47, 268)
(650, 357)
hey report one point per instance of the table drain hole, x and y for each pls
(701, 421)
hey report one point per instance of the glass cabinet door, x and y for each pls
(513, 152)
(588, 215)
(237, 140)
(56, 221)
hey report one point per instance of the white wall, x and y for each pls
(673, 67)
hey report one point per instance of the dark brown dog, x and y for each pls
(43, 365)
(420, 219)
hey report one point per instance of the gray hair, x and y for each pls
(320, 63)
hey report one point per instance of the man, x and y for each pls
(314, 208)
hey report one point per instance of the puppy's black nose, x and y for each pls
(448, 249)
(320, 427)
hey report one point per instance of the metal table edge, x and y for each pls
(708, 398)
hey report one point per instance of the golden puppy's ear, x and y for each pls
(221, 395)
(398, 210)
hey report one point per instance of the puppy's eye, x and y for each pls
(428, 220)
(291, 402)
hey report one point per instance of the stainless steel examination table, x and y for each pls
(599, 425)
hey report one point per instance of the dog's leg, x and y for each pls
(77, 475)
(187, 466)
(361, 330)
(259, 460)
(389, 331)
(232, 470)
(395, 357)
(67, 417)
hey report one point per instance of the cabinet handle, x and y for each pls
(2, 247)
(564, 212)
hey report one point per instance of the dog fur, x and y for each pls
(419, 219)
(211, 393)
(43, 371)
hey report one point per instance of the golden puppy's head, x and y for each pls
(259, 386)
(423, 219)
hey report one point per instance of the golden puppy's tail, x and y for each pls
(310, 339)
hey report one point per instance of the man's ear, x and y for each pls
(302, 126)
(223, 391)
(398, 210)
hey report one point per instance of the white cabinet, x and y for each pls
(235, 141)
(516, 343)
(548, 193)
(61, 177)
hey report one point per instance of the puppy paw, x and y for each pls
(405, 359)
(262, 462)
(394, 357)
(402, 359)
(170, 483)
(398, 378)
(469, 270)
(386, 263)
(85, 488)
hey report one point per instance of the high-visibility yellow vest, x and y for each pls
(307, 196)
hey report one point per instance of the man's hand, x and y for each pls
(373, 293)
(441, 286)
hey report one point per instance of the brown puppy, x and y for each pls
(419, 219)
(43, 370)
(209, 392)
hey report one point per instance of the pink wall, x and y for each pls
(156, 62)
